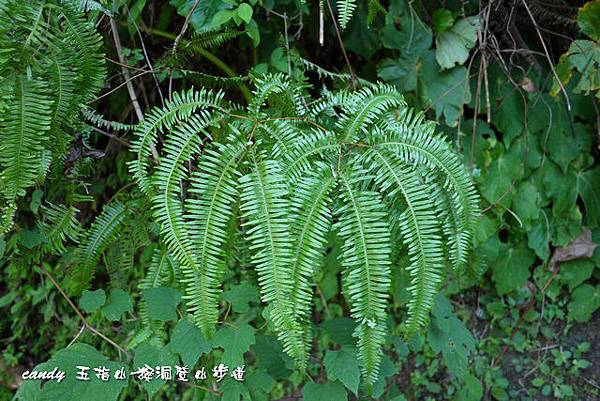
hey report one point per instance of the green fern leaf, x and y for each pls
(22, 135)
(420, 231)
(311, 220)
(266, 210)
(345, 10)
(366, 257)
(179, 109)
(105, 228)
(216, 191)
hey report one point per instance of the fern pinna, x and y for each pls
(361, 163)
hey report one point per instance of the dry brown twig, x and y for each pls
(86, 324)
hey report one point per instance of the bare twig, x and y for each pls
(537, 30)
(178, 38)
(80, 315)
(130, 89)
(339, 36)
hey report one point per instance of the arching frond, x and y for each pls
(415, 143)
(59, 224)
(345, 10)
(366, 107)
(311, 220)
(86, 50)
(163, 119)
(366, 257)
(103, 231)
(216, 192)
(266, 211)
(420, 230)
(181, 144)
(281, 91)
(315, 144)
(22, 135)
(99, 121)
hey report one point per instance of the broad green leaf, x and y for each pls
(72, 389)
(584, 301)
(240, 296)
(31, 238)
(187, 341)
(340, 329)
(442, 20)
(447, 334)
(588, 183)
(148, 354)
(260, 385)
(330, 391)
(406, 33)
(235, 342)
(538, 238)
(270, 357)
(560, 187)
(202, 17)
(497, 179)
(359, 40)
(402, 72)
(162, 303)
(471, 391)
(589, 19)
(511, 271)
(233, 390)
(90, 301)
(526, 204)
(221, 17)
(244, 11)
(118, 303)
(342, 365)
(447, 90)
(575, 272)
(453, 45)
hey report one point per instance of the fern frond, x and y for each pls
(210, 39)
(420, 230)
(86, 52)
(99, 121)
(305, 149)
(415, 142)
(311, 220)
(59, 224)
(162, 119)
(181, 145)
(366, 107)
(345, 10)
(281, 90)
(266, 211)
(366, 257)
(105, 228)
(215, 188)
(22, 135)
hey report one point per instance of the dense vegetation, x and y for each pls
(334, 200)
